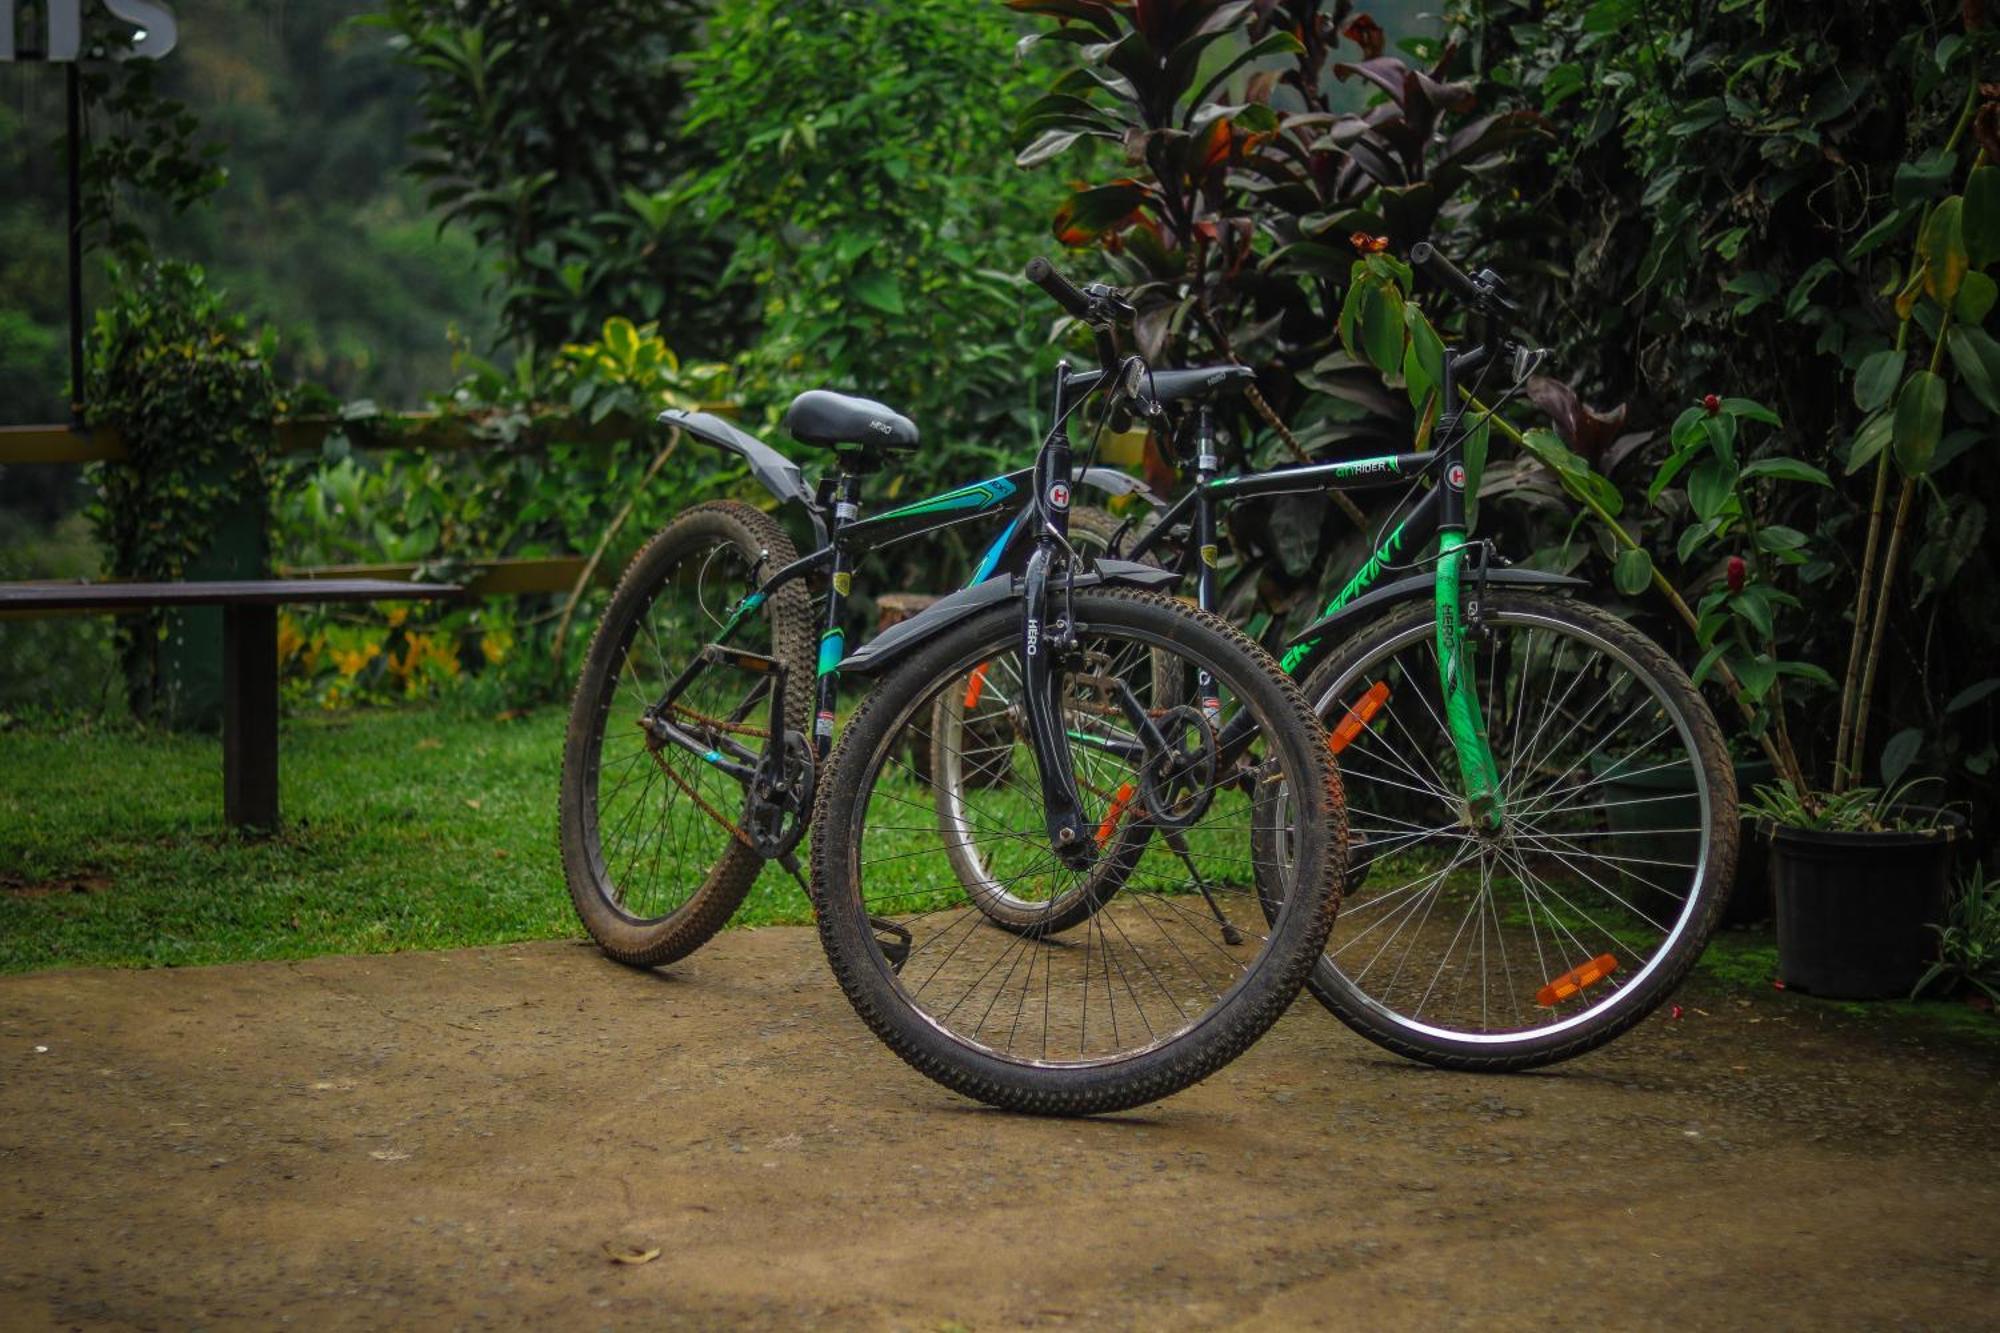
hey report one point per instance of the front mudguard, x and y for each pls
(1304, 651)
(901, 639)
(1115, 483)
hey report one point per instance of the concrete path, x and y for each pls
(451, 1140)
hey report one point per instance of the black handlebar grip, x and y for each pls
(1446, 274)
(1043, 274)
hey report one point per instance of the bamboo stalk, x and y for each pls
(1843, 770)
(1862, 703)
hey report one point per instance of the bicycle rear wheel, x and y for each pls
(1479, 950)
(1149, 990)
(651, 843)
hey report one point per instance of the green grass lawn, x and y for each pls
(406, 829)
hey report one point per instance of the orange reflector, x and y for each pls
(976, 686)
(1119, 800)
(1574, 980)
(1358, 717)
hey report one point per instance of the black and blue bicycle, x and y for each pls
(702, 745)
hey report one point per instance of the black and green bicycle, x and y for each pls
(1543, 813)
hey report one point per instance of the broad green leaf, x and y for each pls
(1919, 422)
(1754, 609)
(1786, 469)
(1687, 431)
(1575, 474)
(1426, 350)
(1721, 432)
(1757, 673)
(1275, 43)
(1869, 441)
(1692, 538)
(1806, 671)
(1924, 178)
(1977, 358)
(1875, 383)
(1670, 469)
(1899, 754)
(1881, 232)
(1777, 538)
(1942, 245)
(1709, 488)
(1382, 328)
(1633, 572)
(1982, 216)
(1975, 299)
(1350, 317)
(879, 290)
(1052, 143)
(1972, 694)
(1751, 409)
(1755, 287)
(1802, 290)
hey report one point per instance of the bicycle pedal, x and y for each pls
(896, 951)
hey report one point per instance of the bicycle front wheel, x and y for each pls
(1492, 949)
(1151, 989)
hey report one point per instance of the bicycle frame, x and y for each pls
(1440, 514)
(1042, 523)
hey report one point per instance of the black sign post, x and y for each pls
(75, 154)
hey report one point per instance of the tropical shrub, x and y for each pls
(1235, 167)
(562, 461)
(860, 163)
(1788, 201)
(190, 394)
(553, 133)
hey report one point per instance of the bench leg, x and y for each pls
(250, 716)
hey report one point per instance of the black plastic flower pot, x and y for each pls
(1854, 910)
(1651, 824)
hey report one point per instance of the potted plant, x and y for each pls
(1859, 878)
(1859, 873)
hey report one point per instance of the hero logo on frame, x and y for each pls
(61, 40)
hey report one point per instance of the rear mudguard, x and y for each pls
(778, 474)
(901, 639)
(1303, 652)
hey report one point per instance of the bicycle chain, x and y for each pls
(700, 803)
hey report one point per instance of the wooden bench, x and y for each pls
(249, 657)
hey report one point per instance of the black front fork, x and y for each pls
(1207, 465)
(1047, 637)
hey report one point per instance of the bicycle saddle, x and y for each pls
(828, 419)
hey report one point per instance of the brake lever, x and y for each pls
(1110, 302)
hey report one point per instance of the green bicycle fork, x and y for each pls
(1481, 776)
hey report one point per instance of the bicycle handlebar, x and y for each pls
(1043, 274)
(1446, 274)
